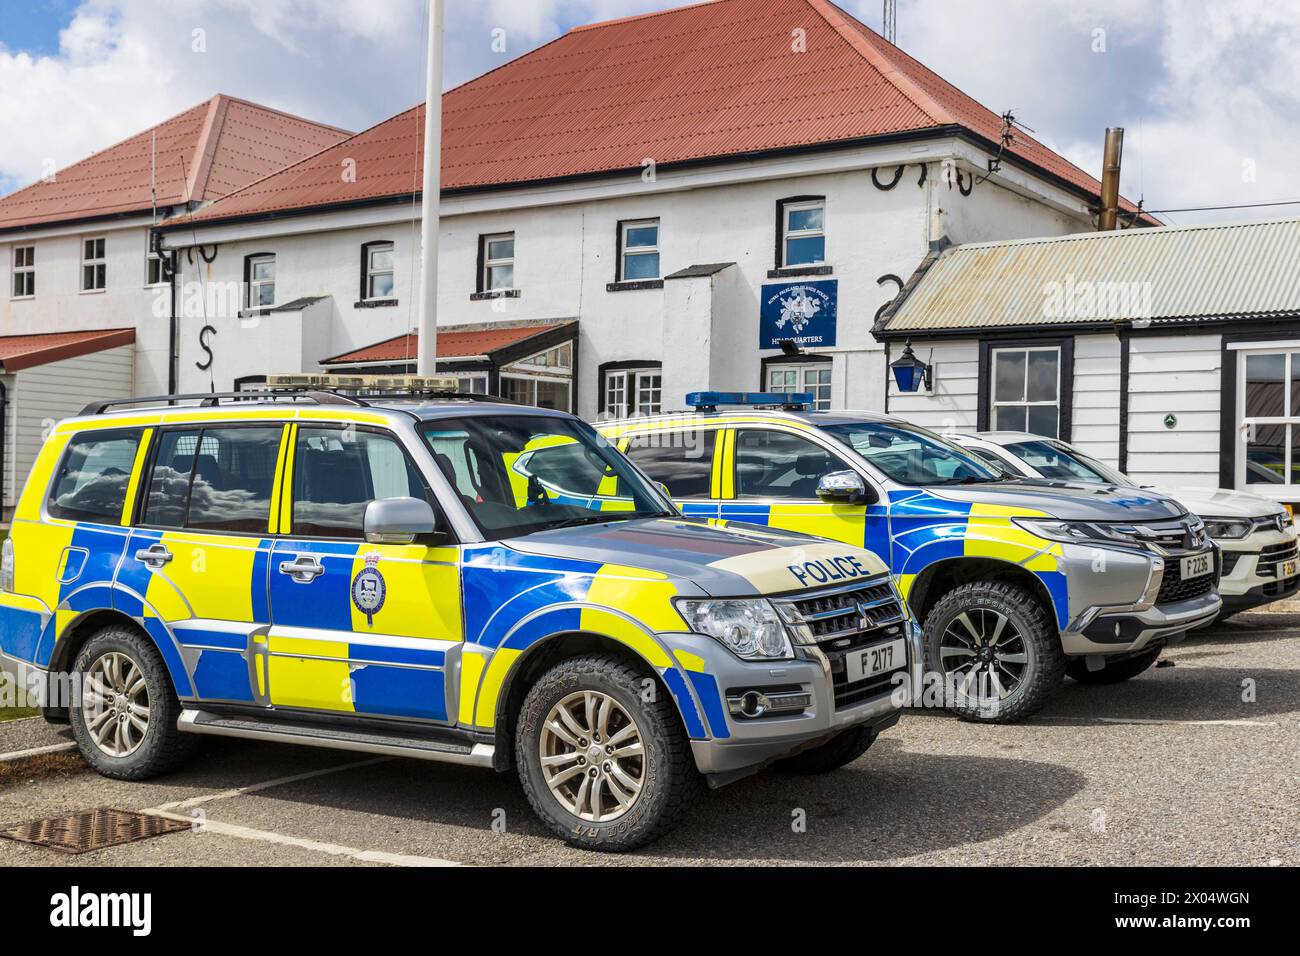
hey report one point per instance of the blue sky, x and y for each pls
(1209, 90)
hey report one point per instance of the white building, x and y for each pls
(1172, 354)
(682, 207)
(75, 251)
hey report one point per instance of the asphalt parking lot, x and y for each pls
(1192, 764)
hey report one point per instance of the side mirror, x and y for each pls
(843, 488)
(401, 521)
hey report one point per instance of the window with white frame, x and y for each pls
(261, 281)
(498, 263)
(639, 241)
(472, 383)
(154, 273)
(535, 390)
(379, 270)
(803, 377)
(24, 272)
(633, 391)
(803, 233)
(1027, 390)
(94, 265)
(1268, 403)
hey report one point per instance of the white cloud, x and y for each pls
(1202, 86)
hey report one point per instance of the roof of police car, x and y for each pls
(420, 408)
(817, 418)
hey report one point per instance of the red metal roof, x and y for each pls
(451, 344)
(18, 352)
(707, 81)
(201, 154)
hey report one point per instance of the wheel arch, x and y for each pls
(942, 576)
(543, 654)
(73, 638)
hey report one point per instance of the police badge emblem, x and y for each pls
(369, 589)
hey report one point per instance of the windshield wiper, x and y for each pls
(966, 480)
(606, 516)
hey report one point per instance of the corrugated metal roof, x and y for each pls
(203, 153)
(1247, 269)
(451, 344)
(18, 352)
(707, 81)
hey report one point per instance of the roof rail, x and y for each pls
(213, 399)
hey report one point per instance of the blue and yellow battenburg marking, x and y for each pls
(910, 531)
(432, 633)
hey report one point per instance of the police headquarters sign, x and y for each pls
(800, 311)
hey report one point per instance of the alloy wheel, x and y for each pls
(115, 701)
(592, 756)
(986, 653)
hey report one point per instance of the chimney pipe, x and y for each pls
(1114, 152)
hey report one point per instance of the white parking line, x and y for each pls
(36, 752)
(265, 785)
(281, 839)
(208, 825)
(1178, 723)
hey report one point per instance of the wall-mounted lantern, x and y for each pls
(910, 372)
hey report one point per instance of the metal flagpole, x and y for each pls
(426, 361)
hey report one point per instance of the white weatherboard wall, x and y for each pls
(1095, 427)
(953, 404)
(40, 396)
(1177, 374)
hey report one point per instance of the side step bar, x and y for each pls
(311, 735)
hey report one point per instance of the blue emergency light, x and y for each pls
(709, 401)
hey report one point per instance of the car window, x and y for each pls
(338, 471)
(213, 479)
(680, 461)
(1053, 461)
(911, 455)
(997, 461)
(519, 474)
(92, 479)
(775, 464)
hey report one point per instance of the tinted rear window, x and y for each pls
(92, 479)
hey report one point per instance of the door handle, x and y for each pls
(304, 569)
(156, 555)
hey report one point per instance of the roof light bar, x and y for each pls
(709, 401)
(386, 383)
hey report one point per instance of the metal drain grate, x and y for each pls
(92, 830)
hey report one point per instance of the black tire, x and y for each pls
(163, 747)
(1043, 669)
(842, 749)
(1114, 671)
(669, 779)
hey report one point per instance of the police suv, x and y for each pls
(1016, 582)
(433, 576)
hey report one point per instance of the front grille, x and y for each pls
(1173, 588)
(846, 619)
(1273, 555)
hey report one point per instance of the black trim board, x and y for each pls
(1124, 349)
(984, 383)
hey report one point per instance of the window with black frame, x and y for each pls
(93, 478)
(213, 479)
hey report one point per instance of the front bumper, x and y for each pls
(1255, 569)
(1118, 605)
(752, 743)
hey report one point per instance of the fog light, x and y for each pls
(752, 703)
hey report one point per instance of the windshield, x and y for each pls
(910, 455)
(1062, 462)
(518, 474)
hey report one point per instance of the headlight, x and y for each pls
(1079, 532)
(1228, 527)
(749, 628)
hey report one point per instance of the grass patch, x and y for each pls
(10, 698)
